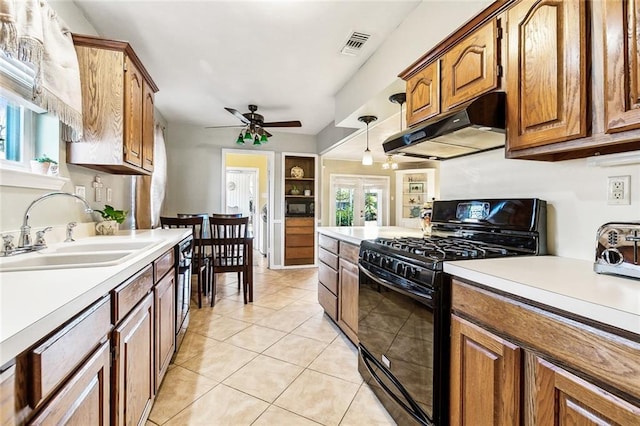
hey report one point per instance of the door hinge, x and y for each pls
(499, 71)
(115, 353)
(499, 33)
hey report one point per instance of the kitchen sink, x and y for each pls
(99, 246)
(38, 261)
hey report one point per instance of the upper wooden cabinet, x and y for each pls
(470, 68)
(547, 73)
(423, 94)
(117, 103)
(621, 65)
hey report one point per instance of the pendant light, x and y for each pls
(400, 99)
(240, 140)
(367, 157)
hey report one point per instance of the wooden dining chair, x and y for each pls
(230, 245)
(199, 261)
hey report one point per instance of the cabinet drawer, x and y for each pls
(298, 230)
(349, 252)
(128, 294)
(328, 243)
(299, 253)
(328, 277)
(299, 240)
(163, 264)
(328, 258)
(328, 301)
(60, 354)
(84, 399)
(299, 221)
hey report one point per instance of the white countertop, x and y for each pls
(34, 303)
(563, 283)
(356, 234)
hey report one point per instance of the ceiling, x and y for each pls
(283, 56)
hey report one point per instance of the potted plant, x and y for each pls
(294, 190)
(41, 164)
(112, 218)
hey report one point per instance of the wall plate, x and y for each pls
(618, 190)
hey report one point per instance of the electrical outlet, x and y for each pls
(618, 190)
(80, 191)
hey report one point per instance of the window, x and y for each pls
(26, 131)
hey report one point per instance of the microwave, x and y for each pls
(300, 209)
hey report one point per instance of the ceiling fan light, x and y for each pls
(247, 135)
(386, 165)
(240, 140)
(394, 165)
(367, 158)
(256, 140)
(264, 139)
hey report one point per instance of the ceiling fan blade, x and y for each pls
(224, 127)
(283, 124)
(239, 115)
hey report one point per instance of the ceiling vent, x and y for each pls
(354, 44)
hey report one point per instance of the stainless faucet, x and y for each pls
(25, 230)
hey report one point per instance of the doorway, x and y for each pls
(359, 200)
(247, 188)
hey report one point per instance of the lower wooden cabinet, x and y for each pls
(84, 399)
(299, 241)
(348, 298)
(338, 281)
(560, 371)
(133, 365)
(165, 325)
(558, 397)
(485, 377)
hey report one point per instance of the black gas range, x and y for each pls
(404, 298)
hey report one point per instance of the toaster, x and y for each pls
(618, 249)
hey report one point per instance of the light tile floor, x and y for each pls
(276, 361)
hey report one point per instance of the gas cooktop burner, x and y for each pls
(441, 248)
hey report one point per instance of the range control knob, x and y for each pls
(612, 256)
(400, 268)
(409, 272)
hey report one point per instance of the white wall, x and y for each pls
(194, 157)
(575, 193)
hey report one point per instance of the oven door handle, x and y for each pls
(415, 411)
(394, 287)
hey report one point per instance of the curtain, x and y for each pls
(159, 176)
(31, 31)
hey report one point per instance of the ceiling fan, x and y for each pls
(254, 124)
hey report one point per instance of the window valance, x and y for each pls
(32, 32)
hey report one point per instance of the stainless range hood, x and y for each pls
(471, 128)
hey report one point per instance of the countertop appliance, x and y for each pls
(618, 249)
(476, 126)
(405, 298)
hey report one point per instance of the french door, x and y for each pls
(359, 200)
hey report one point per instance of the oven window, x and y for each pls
(398, 331)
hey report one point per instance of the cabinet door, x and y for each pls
(133, 378)
(547, 75)
(148, 130)
(471, 67)
(621, 64)
(133, 94)
(485, 377)
(165, 325)
(84, 399)
(560, 398)
(348, 299)
(423, 94)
